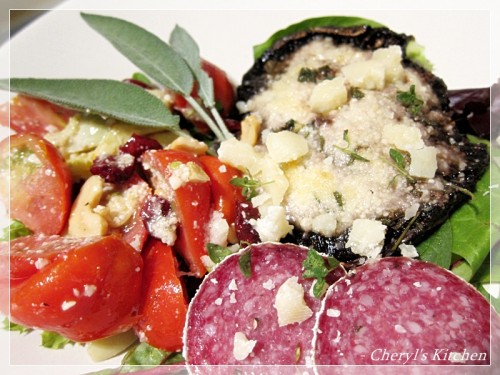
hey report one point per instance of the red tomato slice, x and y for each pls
(30, 115)
(164, 305)
(82, 288)
(40, 183)
(225, 195)
(191, 202)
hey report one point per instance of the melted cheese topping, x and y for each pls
(330, 181)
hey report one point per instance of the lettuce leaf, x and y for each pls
(414, 51)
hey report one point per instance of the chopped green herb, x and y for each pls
(217, 253)
(15, 230)
(317, 267)
(410, 100)
(245, 263)
(400, 163)
(248, 184)
(53, 340)
(293, 126)
(339, 198)
(352, 153)
(316, 75)
(357, 93)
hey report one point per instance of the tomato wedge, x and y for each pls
(225, 196)
(82, 288)
(40, 183)
(164, 304)
(178, 177)
(36, 116)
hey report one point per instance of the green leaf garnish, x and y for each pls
(108, 98)
(144, 49)
(339, 198)
(411, 101)
(400, 163)
(245, 263)
(357, 93)
(249, 186)
(163, 63)
(315, 75)
(317, 267)
(53, 340)
(15, 230)
(217, 253)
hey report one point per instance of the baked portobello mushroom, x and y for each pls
(381, 161)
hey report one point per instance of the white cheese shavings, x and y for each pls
(268, 285)
(409, 251)
(273, 226)
(328, 95)
(290, 304)
(286, 146)
(334, 313)
(366, 237)
(423, 162)
(66, 305)
(242, 346)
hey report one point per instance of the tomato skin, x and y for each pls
(36, 116)
(164, 305)
(192, 204)
(225, 196)
(40, 183)
(84, 289)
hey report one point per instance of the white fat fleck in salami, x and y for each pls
(245, 306)
(401, 311)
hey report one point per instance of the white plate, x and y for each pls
(60, 44)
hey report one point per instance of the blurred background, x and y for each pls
(21, 12)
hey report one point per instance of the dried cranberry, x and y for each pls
(154, 207)
(232, 125)
(138, 144)
(244, 230)
(114, 169)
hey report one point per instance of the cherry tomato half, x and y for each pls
(40, 183)
(191, 200)
(81, 288)
(30, 115)
(164, 305)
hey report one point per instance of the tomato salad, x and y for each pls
(115, 223)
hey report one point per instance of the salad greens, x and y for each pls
(315, 267)
(414, 51)
(14, 230)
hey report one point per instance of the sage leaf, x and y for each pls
(118, 100)
(187, 47)
(144, 49)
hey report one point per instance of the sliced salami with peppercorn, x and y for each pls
(400, 311)
(253, 308)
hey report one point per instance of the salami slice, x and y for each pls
(400, 311)
(235, 317)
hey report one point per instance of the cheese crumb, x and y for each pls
(366, 237)
(273, 226)
(290, 304)
(409, 251)
(242, 346)
(334, 313)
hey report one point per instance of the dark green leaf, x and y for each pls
(148, 52)
(357, 93)
(118, 100)
(337, 21)
(15, 230)
(52, 340)
(217, 253)
(245, 263)
(437, 248)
